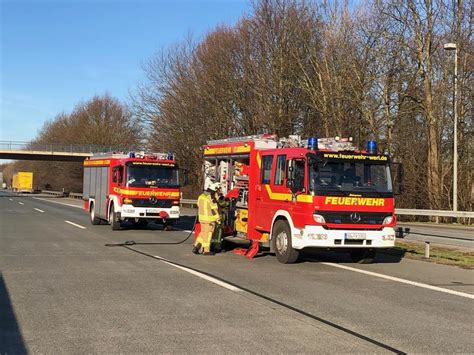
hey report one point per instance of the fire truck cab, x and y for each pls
(133, 187)
(292, 195)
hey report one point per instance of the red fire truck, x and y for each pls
(292, 195)
(134, 187)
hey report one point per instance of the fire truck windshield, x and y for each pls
(343, 177)
(140, 175)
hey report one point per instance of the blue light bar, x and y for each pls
(312, 143)
(371, 147)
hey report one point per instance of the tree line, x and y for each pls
(102, 120)
(375, 70)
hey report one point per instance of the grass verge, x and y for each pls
(438, 254)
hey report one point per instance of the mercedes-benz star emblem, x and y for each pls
(355, 217)
(153, 200)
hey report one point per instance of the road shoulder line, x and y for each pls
(59, 203)
(397, 279)
(201, 275)
(75, 225)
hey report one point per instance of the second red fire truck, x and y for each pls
(291, 195)
(133, 187)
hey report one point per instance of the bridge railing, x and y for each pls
(59, 147)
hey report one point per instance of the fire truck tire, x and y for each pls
(363, 256)
(281, 239)
(113, 220)
(94, 219)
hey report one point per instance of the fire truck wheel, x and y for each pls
(114, 222)
(94, 219)
(281, 239)
(363, 256)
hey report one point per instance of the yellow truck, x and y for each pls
(23, 182)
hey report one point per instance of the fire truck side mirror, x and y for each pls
(290, 173)
(117, 174)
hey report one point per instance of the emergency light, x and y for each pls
(313, 143)
(131, 154)
(371, 147)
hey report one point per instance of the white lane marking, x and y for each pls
(10, 199)
(201, 275)
(37, 209)
(59, 203)
(76, 225)
(403, 281)
(21, 203)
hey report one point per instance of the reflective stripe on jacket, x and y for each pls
(205, 210)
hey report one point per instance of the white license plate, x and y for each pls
(353, 235)
(156, 210)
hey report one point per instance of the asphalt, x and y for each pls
(62, 290)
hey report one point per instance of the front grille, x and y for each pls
(146, 202)
(336, 217)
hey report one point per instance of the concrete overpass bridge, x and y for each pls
(51, 151)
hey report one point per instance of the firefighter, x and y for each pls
(208, 218)
(222, 206)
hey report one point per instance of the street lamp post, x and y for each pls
(453, 47)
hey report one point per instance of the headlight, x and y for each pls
(317, 236)
(318, 218)
(388, 220)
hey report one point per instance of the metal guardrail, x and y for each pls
(399, 211)
(59, 147)
(187, 202)
(434, 213)
(53, 193)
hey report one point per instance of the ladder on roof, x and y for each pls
(271, 137)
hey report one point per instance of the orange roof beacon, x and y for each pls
(132, 187)
(294, 194)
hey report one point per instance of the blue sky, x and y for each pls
(55, 54)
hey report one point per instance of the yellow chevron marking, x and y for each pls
(259, 160)
(278, 196)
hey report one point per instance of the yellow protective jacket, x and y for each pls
(207, 210)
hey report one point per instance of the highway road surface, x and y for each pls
(63, 291)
